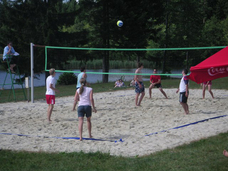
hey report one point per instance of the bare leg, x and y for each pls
(163, 93)
(185, 107)
(80, 126)
(209, 89)
(49, 112)
(89, 126)
(11, 67)
(136, 99)
(204, 88)
(150, 90)
(141, 97)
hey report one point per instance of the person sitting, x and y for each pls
(8, 54)
(119, 83)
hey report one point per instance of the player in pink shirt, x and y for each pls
(85, 106)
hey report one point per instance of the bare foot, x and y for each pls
(186, 113)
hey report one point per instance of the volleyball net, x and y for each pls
(120, 61)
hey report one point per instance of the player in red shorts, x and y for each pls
(50, 92)
(155, 81)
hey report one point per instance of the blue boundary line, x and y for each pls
(182, 126)
(76, 138)
(120, 140)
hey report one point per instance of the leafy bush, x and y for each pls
(67, 79)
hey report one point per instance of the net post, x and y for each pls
(32, 71)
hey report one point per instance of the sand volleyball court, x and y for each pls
(157, 125)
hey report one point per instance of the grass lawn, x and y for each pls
(202, 155)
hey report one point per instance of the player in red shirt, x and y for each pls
(155, 81)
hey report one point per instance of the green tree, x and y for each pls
(39, 22)
(137, 17)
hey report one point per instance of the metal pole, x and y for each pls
(32, 72)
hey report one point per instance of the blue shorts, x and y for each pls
(84, 110)
(137, 89)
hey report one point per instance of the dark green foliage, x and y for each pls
(39, 22)
(89, 23)
(67, 79)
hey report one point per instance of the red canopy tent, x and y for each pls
(216, 66)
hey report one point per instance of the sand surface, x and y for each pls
(157, 125)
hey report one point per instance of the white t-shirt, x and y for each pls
(183, 83)
(50, 80)
(85, 97)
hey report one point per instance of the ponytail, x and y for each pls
(83, 83)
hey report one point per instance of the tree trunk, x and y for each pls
(105, 41)
(164, 62)
(105, 66)
(166, 38)
(138, 58)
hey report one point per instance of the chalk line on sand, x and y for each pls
(120, 140)
(193, 123)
